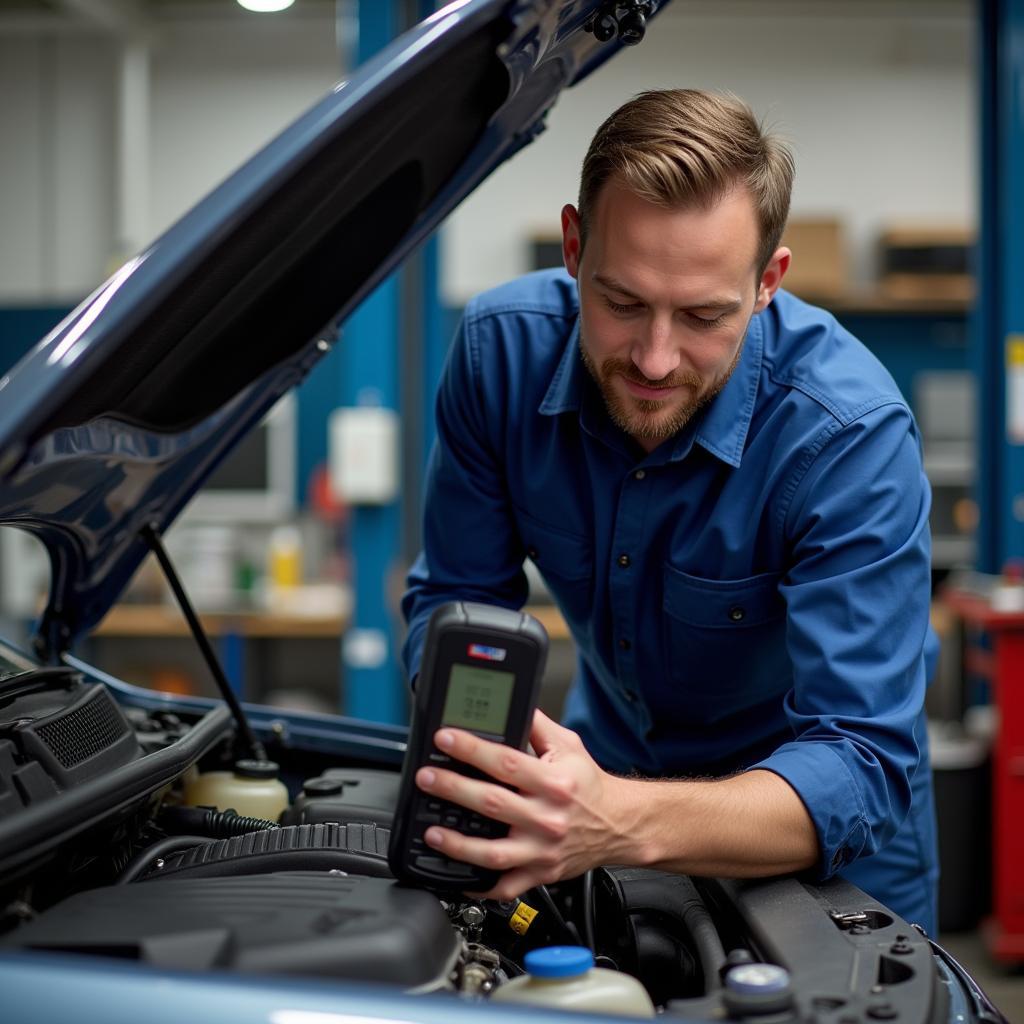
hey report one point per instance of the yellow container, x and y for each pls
(285, 557)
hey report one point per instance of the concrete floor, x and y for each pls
(1003, 985)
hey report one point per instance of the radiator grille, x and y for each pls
(84, 732)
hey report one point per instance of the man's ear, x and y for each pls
(571, 246)
(772, 277)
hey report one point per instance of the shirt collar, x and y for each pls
(721, 429)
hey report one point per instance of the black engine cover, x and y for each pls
(316, 924)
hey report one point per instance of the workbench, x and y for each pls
(258, 649)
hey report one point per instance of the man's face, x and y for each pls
(666, 295)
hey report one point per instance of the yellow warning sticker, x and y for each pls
(1015, 388)
(521, 920)
(1015, 350)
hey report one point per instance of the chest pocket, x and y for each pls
(725, 640)
(566, 562)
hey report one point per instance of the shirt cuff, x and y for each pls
(824, 783)
(412, 651)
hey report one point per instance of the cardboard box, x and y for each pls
(818, 270)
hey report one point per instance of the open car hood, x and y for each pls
(117, 417)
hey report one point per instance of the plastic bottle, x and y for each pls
(565, 977)
(252, 789)
(285, 557)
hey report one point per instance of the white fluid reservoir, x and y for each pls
(565, 977)
(252, 789)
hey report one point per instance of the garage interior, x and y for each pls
(118, 116)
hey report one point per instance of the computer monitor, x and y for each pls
(256, 482)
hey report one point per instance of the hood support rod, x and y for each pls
(151, 536)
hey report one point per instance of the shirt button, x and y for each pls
(639, 475)
(532, 553)
(625, 644)
(624, 561)
(737, 613)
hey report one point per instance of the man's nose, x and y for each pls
(654, 353)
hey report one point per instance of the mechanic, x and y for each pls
(724, 492)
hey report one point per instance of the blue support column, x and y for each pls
(998, 324)
(232, 653)
(369, 367)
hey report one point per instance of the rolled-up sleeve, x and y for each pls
(857, 629)
(471, 547)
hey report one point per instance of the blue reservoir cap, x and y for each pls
(558, 961)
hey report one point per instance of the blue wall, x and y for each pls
(22, 326)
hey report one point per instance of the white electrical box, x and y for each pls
(362, 454)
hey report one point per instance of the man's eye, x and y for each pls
(704, 323)
(621, 307)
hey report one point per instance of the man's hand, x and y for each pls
(567, 816)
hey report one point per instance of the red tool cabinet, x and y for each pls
(1002, 662)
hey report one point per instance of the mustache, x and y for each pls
(625, 368)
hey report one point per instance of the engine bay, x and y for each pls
(103, 855)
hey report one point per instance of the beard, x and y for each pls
(652, 419)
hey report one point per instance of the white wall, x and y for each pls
(877, 99)
(218, 99)
(56, 186)
(219, 90)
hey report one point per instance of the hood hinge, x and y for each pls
(52, 638)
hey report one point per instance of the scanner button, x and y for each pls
(434, 806)
(429, 818)
(443, 866)
(452, 819)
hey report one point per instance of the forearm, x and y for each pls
(749, 825)
(567, 815)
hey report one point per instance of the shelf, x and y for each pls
(159, 621)
(870, 301)
(141, 620)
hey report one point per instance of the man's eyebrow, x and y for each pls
(615, 286)
(718, 305)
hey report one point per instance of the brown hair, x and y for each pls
(681, 147)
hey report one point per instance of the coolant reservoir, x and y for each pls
(253, 789)
(565, 977)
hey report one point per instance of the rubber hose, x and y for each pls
(209, 822)
(705, 937)
(587, 898)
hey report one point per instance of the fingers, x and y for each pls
(493, 801)
(506, 764)
(538, 801)
(514, 883)
(546, 733)
(519, 860)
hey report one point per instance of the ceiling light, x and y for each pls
(265, 6)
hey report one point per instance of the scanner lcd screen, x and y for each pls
(478, 699)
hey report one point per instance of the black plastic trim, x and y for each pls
(37, 830)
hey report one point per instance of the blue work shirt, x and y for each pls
(754, 593)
